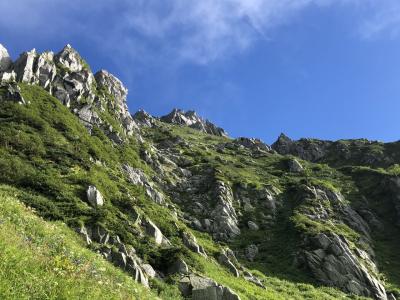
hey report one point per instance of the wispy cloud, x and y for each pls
(385, 20)
(181, 30)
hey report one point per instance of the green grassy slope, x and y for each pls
(47, 260)
(47, 160)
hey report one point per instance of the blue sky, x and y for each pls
(327, 69)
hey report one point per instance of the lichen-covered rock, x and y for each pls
(253, 226)
(94, 196)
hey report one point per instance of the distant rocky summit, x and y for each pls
(191, 119)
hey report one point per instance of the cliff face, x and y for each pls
(187, 211)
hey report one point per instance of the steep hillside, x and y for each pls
(177, 205)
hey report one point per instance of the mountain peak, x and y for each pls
(191, 119)
(5, 59)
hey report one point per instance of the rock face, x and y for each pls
(94, 196)
(329, 257)
(333, 263)
(137, 176)
(339, 153)
(225, 225)
(191, 119)
(307, 149)
(394, 187)
(11, 92)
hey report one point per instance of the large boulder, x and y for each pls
(190, 242)
(179, 266)
(251, 252)
(294, 166)
(201, 288)
(153, 231)
(225, 260)
(94, 196)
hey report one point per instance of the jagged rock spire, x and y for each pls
(283, 144)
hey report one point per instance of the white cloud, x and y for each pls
(199, 31)
(384, 20)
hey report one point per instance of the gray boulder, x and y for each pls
(295, 166)
(149, 270)
(94, 196)
(224, 260)
(153, 231)
(190, 242)
(201, 288)
(252, 226)
(251, 252)
(179, 266)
